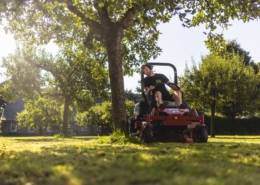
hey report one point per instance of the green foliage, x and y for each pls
(130, 105)
(233, 47)
(117, 137)
(41, 113)
(70, 76)
(68, 25)
(83, 118)
(8, 91)
(73, 19)
(220, 80)
(101, 114)
(70, 72)
(120, 138)
(22, 77)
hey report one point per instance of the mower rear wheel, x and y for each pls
(203, 135)
(147, 134)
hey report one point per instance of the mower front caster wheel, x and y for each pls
(147, 135)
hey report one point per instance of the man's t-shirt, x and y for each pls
(158, 80)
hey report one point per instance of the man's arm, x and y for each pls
(173, 86)
(146, 86)
(165, 80)
(147, 89)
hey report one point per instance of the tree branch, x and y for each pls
(74, 69)
(92, 24)
(129, 15)
(89, 40)
(94, 27)
(103, 14)
(51, 94)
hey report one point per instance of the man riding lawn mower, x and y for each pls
(163, 116)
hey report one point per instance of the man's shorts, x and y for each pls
(166, 96)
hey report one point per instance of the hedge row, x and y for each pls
(232, 126)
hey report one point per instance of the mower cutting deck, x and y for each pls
(171, 124)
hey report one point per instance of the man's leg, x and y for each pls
(158, 97)
(176, 96)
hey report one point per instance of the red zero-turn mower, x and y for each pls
(172, 124)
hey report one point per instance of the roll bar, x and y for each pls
(163, 64)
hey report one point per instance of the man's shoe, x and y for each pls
(183, 107)
(161, 107)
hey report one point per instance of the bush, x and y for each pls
(232, 126)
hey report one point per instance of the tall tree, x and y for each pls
(233, 47)
(217, 82)
(41, 113)
(125, 29)
(70, 74)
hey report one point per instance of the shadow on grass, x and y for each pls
(86, 137)
(81, 163)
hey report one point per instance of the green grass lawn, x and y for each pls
(83, 161)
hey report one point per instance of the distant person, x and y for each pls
(155, 82)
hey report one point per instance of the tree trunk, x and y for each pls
(213, 107)
(40, 131)
(102, 128)
(65, 115)
(113, 42)
(45, 129)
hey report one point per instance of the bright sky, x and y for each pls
(179, 45)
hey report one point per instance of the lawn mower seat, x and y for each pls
(169, 104)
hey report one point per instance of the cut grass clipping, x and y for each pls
(84, 160)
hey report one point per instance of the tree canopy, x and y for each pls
(234, 47)
(41, 113)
